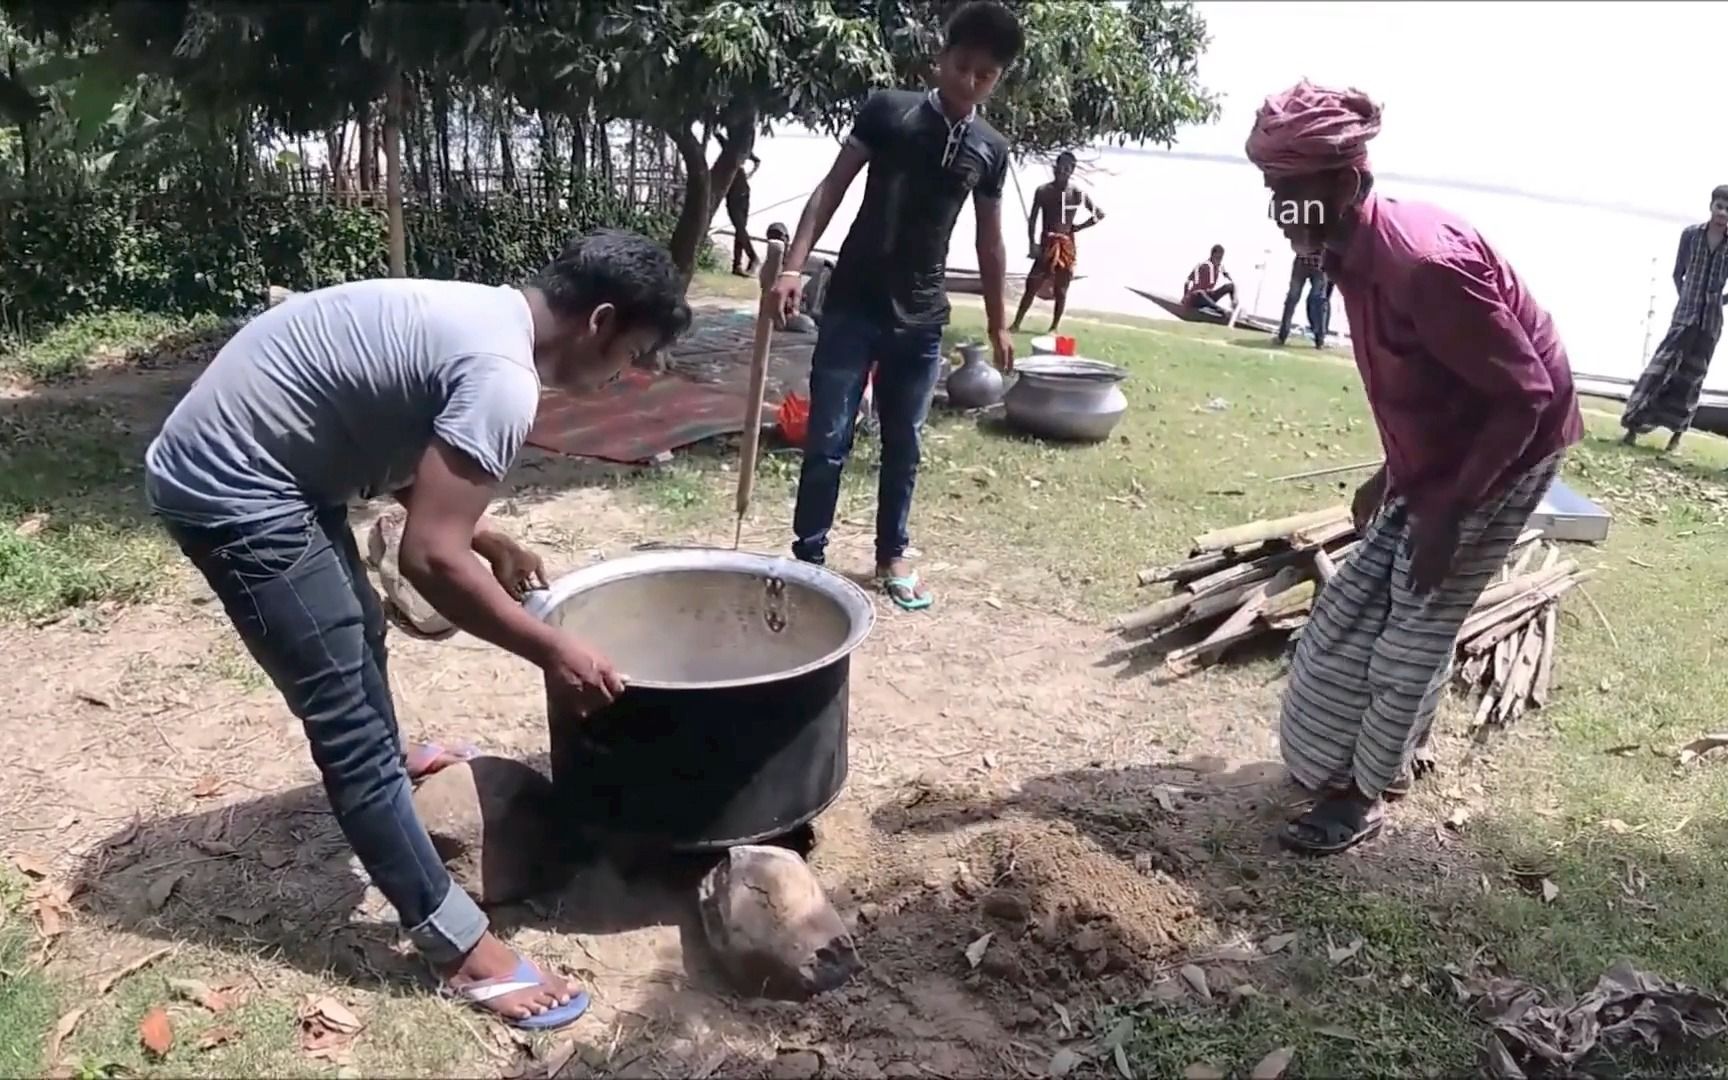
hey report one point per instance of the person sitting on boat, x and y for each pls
(1058, 203)
(1210, 283)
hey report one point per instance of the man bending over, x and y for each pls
(424, 390)
(1472, 392)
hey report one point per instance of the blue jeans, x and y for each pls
(297, 592)
(1319, 305)
(908, 360)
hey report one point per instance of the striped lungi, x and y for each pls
(1371, 664)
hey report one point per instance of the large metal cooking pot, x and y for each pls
(1066, 397)
(733, 727)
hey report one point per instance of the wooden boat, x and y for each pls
(1712, 415)
(1176, 307)
(959, 281)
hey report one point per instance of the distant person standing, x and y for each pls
(1058, 203)
(1667, 393)
(1306, 272)
(1209, 283)
(738, 212)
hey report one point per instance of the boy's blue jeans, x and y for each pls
(297, 592)
(908, 360)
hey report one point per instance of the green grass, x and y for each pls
(73, 527)
(85, 342)
(27, 997)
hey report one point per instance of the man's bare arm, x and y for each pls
(1032, 216)
(992, 261)
(449, 494)
(1095, 211)
(819, 209)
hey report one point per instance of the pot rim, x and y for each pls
(860, 612)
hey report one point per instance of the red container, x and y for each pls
(793, 419)
(1064, 345)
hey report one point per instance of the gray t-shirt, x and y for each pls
(338, 393)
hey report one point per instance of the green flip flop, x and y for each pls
(904, 592)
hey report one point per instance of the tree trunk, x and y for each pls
(441, 121)
(393, 178)
(506, 152)
(368, 150)
(694, 216)
(578, 151)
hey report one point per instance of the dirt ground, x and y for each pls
(1010, 776)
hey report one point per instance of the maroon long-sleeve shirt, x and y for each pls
(1465, 374)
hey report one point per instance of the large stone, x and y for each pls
(772, 930)
(383, 547)
(491, 820)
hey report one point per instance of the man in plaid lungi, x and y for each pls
(1667, 393)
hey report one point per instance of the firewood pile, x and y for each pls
(1259, 580)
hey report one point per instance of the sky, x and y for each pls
(1586, 100)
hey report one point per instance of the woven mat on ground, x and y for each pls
(699, 395)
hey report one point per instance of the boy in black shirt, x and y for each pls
(928, 153)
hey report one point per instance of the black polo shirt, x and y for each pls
(922, 170)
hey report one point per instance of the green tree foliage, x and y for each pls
(700, 71)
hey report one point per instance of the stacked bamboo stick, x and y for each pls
(1260, 579)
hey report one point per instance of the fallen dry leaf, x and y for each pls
(1277, 943)
(208, 786)
(1626, 750)
(1166, 798)
(63, 1029)
(1334, 1031)
(161, 889)
(106, 983)
(1064, 1062)
(1615, 825)
(50, 916)
(156, 1033)
(1339, 955)
(1697, 748)
(332, 1014)
(1121, 1057)
(215, 848)
(275, 858)
(1202, 1071)
(245, 916)
(200, 994)
(975, 951)
(1195, 977)
(1550, 891)
(218, 1036)
(31, 525)
(1273, 1065)
(31, 865)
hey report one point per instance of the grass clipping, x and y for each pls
(1258, 581)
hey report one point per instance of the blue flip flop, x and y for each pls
(418, 761)
(904, 592)
(525, 977)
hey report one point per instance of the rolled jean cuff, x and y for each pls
(452, 931)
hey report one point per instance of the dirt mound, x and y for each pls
(1066, 920)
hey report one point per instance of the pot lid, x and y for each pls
(1071, 367)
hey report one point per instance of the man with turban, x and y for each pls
(1472, 393)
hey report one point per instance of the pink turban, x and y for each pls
(1311, 129)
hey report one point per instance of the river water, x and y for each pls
(1602, 272)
